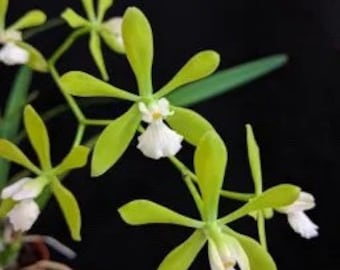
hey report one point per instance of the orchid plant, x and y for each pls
(167, 121)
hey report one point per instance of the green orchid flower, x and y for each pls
(14, 50)
(226, 247)
(19, 198)
(158, 140)
(109, 31)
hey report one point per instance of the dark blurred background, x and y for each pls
(294, 111)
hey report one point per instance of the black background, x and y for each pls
(294, 112)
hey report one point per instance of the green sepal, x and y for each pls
(110, 40)
(89, 8)
(6, 206)
(73, 19)
(69, 207)
(81, 84)
(12, 153)
(30, 19)
(138, 42)
(3, 12)
(275, 197)
(114, 140)
(199, 66)
(103, 6)
(36, 60)
(225, 80)
(189, 124)
(141, 212)
(254, 159)
(97, 54)
(183, 255)
(259, 258)
(38, 136)
(76, 158)
(210, 161)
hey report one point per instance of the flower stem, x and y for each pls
(50, 24)
(79, 135)
(261, 227)
(244, 197)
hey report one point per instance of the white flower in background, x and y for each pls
(158, 140)
(226, 254)
(23, 215)
(114, 25)
(297, 218)
(10, 53)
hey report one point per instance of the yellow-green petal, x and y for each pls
(77, 158)
(111, 41)
(199, 66)
(30, 19)
(103, 6)
(183, 255)
(73, 19)
(3, 12)
(38, 136)
(96, 52)
(138, 42)
(36, 60)
(89, 8)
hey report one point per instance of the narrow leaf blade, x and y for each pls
(141, 212)
(183, 255)
(225, 80)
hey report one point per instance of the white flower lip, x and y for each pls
(23, 215)
(114, 25)
(11, 54)
(297, 218)
(158, 140)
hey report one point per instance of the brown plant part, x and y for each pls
(46, 265)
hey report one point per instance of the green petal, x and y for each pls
(3, 12)
(111, 41)
(96, 52)
(275, 197)
(210, 162)
(189, 124)
(69, 207)
(103, 6)
(38, 136)
(73, 19)
(138, 42)
(30, 19)
(81, 84)
(77, 158)
(12, 153)
(36, 61)
(199, 66)
(141, 212)
(259, 258)
(89, 8)
(225, 80)
(183, 255)
(254, 159)
(114, 140)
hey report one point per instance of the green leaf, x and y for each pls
(183, 255)
(189, 124)
(30, 19)
(89, 8)
(210, 161)
(6, 206)
(36, 60)
(226, 80)
(138, 42)
(103, 6)
(73, 19)
(81, 84)
(199, 66)
(38, 136)
(114, 140)
(12, 153)
(96, 52)
(3, 12)
(141, 212)
(111, 41)
(77, 158)
(275, 197)
(254, 159)
(69, 207)
(10, 123)
(259, 258)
